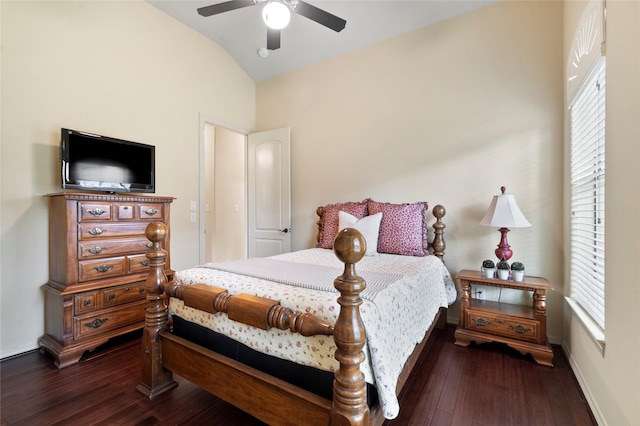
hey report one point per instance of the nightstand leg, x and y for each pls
(540, 301)
(460, 337)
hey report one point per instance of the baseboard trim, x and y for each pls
(593, 406)
(16, 352)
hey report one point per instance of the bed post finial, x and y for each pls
(155, 379)
(349, 406)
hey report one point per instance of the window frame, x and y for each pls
(587, 202)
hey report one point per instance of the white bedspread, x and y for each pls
(395, 320)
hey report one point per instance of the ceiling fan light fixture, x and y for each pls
(276, 15)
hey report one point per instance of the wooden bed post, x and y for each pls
(438, 239)
(349, 405)
(155, 379)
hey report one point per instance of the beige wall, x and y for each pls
(447, 114)
(118, 68)
(611, 380)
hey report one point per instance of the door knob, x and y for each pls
(285, 230)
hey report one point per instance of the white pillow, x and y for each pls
(369, 227)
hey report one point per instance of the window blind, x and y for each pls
(587, 195)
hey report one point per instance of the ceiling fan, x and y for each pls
(276, 15)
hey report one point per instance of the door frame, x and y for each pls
(203, 121)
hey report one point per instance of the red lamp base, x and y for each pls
(504, 249)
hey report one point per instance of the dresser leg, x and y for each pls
(66, 356)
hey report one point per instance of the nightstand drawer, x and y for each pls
(502, 325)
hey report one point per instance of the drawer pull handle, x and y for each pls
(112, 297)
(96, 323)
(520, 329)
(144, 262)
(141, 290)
(151, 212)
(96, 250)
(103, 268)
(95, 231)
(481, 321)
(87, 302)
(96, 212)
(149, 245)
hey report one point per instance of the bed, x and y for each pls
(301, 338)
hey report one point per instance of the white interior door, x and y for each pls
(269, 192)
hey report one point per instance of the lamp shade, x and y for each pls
(504, 213)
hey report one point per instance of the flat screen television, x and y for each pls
(101, 163)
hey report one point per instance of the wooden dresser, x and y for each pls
(97, 269)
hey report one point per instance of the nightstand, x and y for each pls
(523, 328)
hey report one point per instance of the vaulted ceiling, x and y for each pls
(242, 32)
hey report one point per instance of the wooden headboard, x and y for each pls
(437, 246)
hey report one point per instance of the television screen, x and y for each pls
(101, 163)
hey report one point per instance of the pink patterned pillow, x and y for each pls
(403, 229)
(330, 220)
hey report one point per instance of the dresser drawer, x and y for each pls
(85, 302)
(91, 211)
(503, 325)
(138, 264)
(98, 323)
(123, 294)
(101, 268)
(88, 231)
(150, 211)
(113, 247)
(126, 211)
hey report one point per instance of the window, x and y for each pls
(587, 177)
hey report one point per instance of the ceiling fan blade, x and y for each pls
(226, 6)
(320, 16)
(273, 39)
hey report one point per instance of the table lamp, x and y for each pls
(504, 213)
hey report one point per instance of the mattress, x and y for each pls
(396, 316)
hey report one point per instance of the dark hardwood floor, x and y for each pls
(480, 385)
